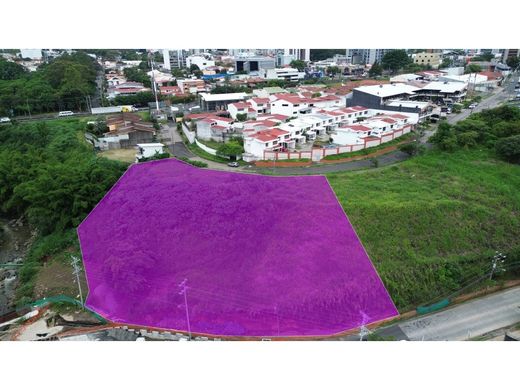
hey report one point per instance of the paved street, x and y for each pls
(464, 321)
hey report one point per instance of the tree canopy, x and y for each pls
(495, 128)
(513, 62)
(62, 84)
(375, 70)
(298, 64)
(473, 68)
(11, 70)
(51, 175)
(230, 149)
(395, 60)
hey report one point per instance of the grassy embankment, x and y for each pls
(432, 223)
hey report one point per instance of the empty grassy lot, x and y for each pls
(124, 155)
(432, 223)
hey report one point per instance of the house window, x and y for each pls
(285, 105)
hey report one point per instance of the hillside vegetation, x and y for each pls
(50, 175)
(432, 223)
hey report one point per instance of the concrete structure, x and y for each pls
(202, 61)
(191, 86)
(287, 74)
(254, 64)
(387, 96)
(241, 108)
(271, 139)
(33, 54)
(148, 150)
(166, 60)
(425, 58)
(212, 102)
(175, 58)
(126, 130)
(365, 56)
(299, 54)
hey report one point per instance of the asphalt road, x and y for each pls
(464, 321)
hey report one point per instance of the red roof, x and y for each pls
(239, 105)
(261, 100)
(358, 128)
(399, 116)
(387, 120)
(269, 135)
(279, 117)
(491, 75)
(293, 99)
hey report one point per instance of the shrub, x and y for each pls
(508, 149)
(412, 148)
(195, 163)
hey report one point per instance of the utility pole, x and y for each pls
(497, 262)
(363, 330)
(154, 86)
(183, 292)
(75, 261)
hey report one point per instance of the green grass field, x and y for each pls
(431, 224)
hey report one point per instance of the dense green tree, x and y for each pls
(49, 174)
(472, 68)
(509, 149)
(333, 70)
(395, 60)
(137, 75)
(230, 149)
(298, 64)
(11, 70)
(513, 62)
(446, 63)
(62, 84)
(375, 70)
(241, 117)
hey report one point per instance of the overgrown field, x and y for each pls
(432, 223)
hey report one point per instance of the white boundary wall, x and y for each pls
(318, 153)
(205, 148)
(189, 134)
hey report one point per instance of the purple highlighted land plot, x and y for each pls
(260, 256)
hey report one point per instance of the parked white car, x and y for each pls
(472, 106)
(65, 113)
(5, 120)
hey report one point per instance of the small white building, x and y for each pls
(148, 150)
(267, 140)
(241, 108)
(202, 62)
(287, 74)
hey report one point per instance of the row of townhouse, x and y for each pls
(251, 107)
(382, 126)
(296, 132)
